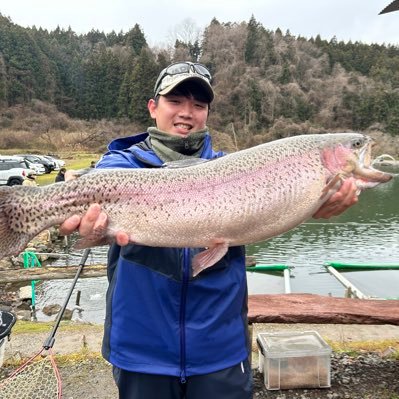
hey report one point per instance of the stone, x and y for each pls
(51, 310)
(25, 292)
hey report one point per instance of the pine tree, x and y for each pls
(285, 76)
(195, 51)
(135, 39)
(3, 82)
(252, 42)
(142, 81)
(124, 100)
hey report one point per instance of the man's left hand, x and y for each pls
(340, 201)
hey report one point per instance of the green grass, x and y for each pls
(47, 178)
(80, 161)
(22, 327)
(357, 348)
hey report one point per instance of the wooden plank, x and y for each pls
(312, 308)
(354, 291)
(13, 275)
(50, 273)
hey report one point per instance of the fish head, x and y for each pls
(349, 155)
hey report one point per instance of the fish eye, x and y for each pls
(358, 143)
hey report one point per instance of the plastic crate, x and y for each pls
(294, 360)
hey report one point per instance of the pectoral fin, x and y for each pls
(209, 257)
(332, 186)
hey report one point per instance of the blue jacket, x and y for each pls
(160, 320)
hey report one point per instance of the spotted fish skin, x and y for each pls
(241, 198)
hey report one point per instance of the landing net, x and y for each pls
(37, 378)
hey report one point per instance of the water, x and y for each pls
(366, 233)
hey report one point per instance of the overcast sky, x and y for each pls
(355, 20)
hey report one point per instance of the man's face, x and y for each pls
(178, 115)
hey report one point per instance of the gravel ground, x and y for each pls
(367, 376)
(370, 375)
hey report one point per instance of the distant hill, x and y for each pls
(268, 84)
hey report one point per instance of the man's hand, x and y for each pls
(340, 201)
(93, 220)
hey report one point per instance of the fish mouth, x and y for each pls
(351, 158)
(366, 176)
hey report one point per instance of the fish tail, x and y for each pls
(12, 241)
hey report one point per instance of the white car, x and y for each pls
(13, 170)
(38, 168)
(48, 166)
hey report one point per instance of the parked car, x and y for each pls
(38, 168)
(48, 166)
(53, 164)
(59, 163)
(13, 170)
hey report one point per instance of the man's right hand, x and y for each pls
(93, 220)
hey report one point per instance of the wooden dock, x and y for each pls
(50, 273)
(319, 309)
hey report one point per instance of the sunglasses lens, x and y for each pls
(178, 68)
(202, 70)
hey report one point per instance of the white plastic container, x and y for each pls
(294, 360)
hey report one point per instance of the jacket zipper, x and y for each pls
(185, 278)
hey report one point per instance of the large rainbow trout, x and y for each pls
(241, 198)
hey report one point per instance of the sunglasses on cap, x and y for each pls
(182, 68)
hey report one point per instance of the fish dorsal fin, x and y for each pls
(72, 174)
(78, 172)
(184, 163)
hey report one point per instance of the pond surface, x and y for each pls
(366, 233)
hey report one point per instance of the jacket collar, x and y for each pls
(124, 143)
(140, 146)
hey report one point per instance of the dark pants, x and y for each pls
(232, 383)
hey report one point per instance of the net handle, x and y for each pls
(49, 342)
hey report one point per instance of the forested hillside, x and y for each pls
(268, 84)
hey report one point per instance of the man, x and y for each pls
(60, 175)
(167, 334)
(30, 180)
